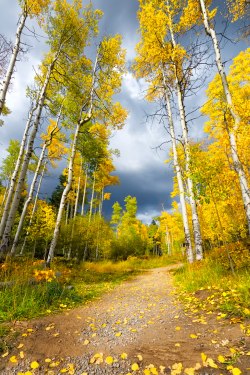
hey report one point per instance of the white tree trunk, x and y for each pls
(80, 123)
(67, 211)
(92, 197)
(64, 197)
(11, 66)
(195, 218)
(5, 193)
(84, 193)
(189, 250)
(16, 171)
(34, 207)
(27, 203)
(78, 190)
(32, 187)
(245, 191)
(29, 151)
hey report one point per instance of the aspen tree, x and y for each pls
(32, 187)
(16, 171)
(35, 205)
(156, 49)
(200, 13)
(98, 105)
(189, 250)
(33, 9)
(70, 35)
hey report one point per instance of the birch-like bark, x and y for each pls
(92, 197)
(64, 197)
(195, 218)
(29, 151)
(16, 171)
(67, 212)
(34, 207)
(80, 123)
(5, 193)
(11, 66)
(245, 191)
(78, 191)
(84, 193)
(188, 242)
(32, 187)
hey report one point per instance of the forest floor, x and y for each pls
(140, 327)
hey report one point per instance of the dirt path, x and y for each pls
(140, 317)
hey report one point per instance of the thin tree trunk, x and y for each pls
(34, 207)
(80, 123)
(189, 250)
(29, 150)
(5, 194)
(84, 193)
(16, 171)
(78, 191)
(67, 211)
(92, 197)
(195, 218)
(32, 187)
(11, 66)
(245, 191)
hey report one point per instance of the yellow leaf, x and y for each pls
(176, 317)
(146, 371)
(21, 355)
(92, 360)
(236, 371)
(86, 342)
(133, 330)
(109, 360)
(56, 334)
(134, 367)
(118, 334)
(20, 346)
(104, 324)
(47, 360)
(139, 357)
(34, 365)
(203, 357)
(221, 359)
(30, 330)
(193, 336)
(248, 353)
(124, 356)
(177, 328)
(94, 334)
(178, 345)
(13, 359)
(24, 334)
(211, 363)
(154, 371)
(5, 354)
(63, 370)
(30, 373)
(189, 371)
(214, 341)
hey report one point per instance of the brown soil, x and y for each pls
(146, 314)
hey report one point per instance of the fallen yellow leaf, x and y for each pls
(236, 371)
(13, 359)
(135, 367)
(20, 346)
(177, 328)
(109, 360)
(124, 356)
(34, 365)
(139, 357)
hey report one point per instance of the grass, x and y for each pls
(90, 279)
(224, 293)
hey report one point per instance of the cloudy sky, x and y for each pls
(141, 167)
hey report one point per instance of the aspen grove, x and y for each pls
(75, 95)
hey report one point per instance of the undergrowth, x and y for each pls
(219, 291)
(49, 295)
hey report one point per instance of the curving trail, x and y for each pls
(140, 318)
